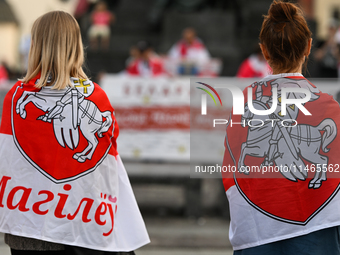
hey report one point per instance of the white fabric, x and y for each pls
(129, 232)
(258, 65)
(249, 227)
(197, 55)
(252, 223)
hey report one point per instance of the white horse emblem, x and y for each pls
(287, 145)
(70, 111)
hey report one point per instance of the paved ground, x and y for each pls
(189, 251)
(4, 249)
(172, 236)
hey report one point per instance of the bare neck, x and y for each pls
(292, 70)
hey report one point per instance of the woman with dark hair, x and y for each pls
(284, 197)
(64, 189)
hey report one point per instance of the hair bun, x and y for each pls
(285, 35)
(282, 12)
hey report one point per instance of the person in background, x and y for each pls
(337, 41)
(3, 73)
(189, 54)
(337, 35)
(101, 19)
(134, 53)
(80, 11)
(327, 53)
(144, 61)
(254, 66)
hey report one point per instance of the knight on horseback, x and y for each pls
(69, 114)
(282, 131)
(72, 96)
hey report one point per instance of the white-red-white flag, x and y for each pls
(61, 178)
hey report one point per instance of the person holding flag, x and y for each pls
(290, 203)
(63, 186)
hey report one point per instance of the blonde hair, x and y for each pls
(56, 50)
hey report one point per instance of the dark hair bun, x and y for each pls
(282, 12)
(285, 35)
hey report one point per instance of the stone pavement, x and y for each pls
(191, 251)
(182, 236)
(4, 249)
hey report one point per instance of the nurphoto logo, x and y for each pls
(238, 99)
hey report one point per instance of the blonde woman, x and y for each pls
(63, 187)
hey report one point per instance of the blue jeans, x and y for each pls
(322, 242)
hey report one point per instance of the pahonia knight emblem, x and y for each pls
(75, 120)
(286, 145)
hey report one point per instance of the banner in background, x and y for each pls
(153, 116)
(157, 116)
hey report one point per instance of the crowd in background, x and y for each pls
(189, 55)
(327, 53)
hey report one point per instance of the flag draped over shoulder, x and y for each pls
(288, 172)
(61, 177)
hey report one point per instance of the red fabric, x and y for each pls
(29, 124)
(183, 49)
(5, 126)
(271, 192)
(3, 73)
(101, 18)
(155, 65)
(81, 8)
(151, 118)
(246, 70)
(133, 68)
(184, 46)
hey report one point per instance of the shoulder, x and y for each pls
(99, 96)
(17, 85)
(5, 126)
(88, 88)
